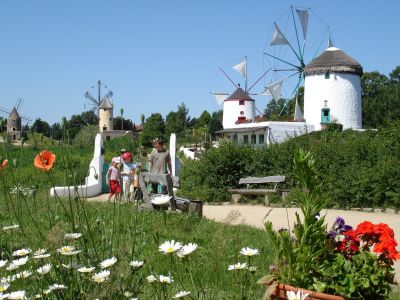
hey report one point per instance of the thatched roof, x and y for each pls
(333, 60)
(239, 94)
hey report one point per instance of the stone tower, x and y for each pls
(14, 129)
(105, 115)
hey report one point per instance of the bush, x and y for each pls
(357, 169)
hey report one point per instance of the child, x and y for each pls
(112, 179)
(134, 180)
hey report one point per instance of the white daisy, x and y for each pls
(18, 295)
(71, 265)
(3, 296)
(238, 266)
(253, 269)
(187, 250)
(40, 252)
(22, 252)
(101, 276)
(249, 252)
(15, 226)
(20, 262)
(161, 200)
(4, 286)
(44, 270)
(68, 250)
(23, 274)
(296, 296)
(3, 263)
(181, 294)
(73, 236)
(12, 267)
(86, 269)
(136, 264)
(8, 279)
(56, 287)
(169, 247)
(108, 262)
(165, 279)
(128, 294)
(42, 256)
(151, 279)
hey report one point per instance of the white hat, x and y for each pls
(116, 159)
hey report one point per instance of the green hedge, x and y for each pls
(357, 169)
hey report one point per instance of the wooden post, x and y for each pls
(196, 207)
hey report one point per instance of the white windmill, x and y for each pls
(239, 106)
(290, 50)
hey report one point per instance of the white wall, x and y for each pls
(232, 111)
(343, 93)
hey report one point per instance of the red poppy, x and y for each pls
(4, 164)
(44, 160)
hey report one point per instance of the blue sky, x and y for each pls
(155, 55)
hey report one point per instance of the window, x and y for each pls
(13, 120)
(253, 139)
(235, 139)
(13, 129)
(327, 75)
(245, 139)
(261, 138)
(241, 102)
(104, 128)
(326, 113)
(241, 119)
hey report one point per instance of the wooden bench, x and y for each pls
(176, 203)
(276, 181)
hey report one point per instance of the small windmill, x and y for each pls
(14, 121)
(95, 102)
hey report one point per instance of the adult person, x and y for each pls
(160, 159)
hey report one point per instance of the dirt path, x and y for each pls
(257, 215)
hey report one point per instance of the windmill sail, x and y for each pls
(278, 38)
(298, 114)
(220, 97)
(275, 90)
(303, 17)
(241, 68)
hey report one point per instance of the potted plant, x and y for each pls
(342, 262)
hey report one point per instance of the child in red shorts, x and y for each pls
(112, 179)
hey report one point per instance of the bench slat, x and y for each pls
(268, 179)
(252, 191)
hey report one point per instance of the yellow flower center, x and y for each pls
(170, 249)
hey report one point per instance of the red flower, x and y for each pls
(4, 164)
(44, 160)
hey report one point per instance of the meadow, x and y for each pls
(77, 249)
(116, 249)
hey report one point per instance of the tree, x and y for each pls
(154, 127)
(127, 124)
(380, 98)
(283, 109)
(90, 118)
(204, 120)
(216, 121)
(40, 126)
(86, 136)
(56, 131)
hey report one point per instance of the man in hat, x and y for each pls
(160, 159)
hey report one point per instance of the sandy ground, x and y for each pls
(257, 215)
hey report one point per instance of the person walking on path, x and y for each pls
(112, 179)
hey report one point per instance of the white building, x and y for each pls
(332, 90)
(332, 93)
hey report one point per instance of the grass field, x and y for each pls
(119, 231)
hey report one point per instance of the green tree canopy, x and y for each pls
(153, 127)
